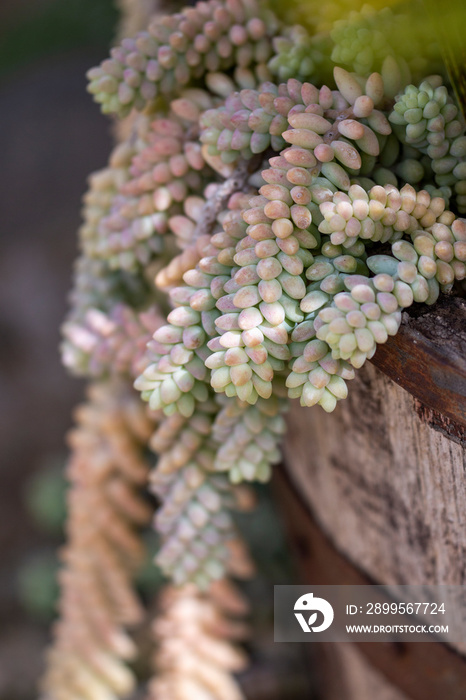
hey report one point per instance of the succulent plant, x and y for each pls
(107, 472)
(367, 38)
(179, 48)
(262, 223)
(427, 118)
(194, 520)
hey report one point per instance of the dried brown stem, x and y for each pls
(236, 182)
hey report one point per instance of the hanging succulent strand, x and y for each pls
(107, 473)
(196, 634)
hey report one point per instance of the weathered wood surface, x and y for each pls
(428, 359)
(389, 489)
(382, 477)
(348, 675)
(418, 671)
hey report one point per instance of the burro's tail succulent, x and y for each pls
(282, 189)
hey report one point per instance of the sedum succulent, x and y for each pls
(109, 343)
(249, 437)
(361, 317)
(307, 118)
(427, 118)
(299, 54)
(177, 49)
(107, 471)
(279, 194)
(383, 39)
(193, 521)
(175, 378)
(437, 253)
(197, 636)
(162, 176)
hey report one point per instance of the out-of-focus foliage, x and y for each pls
(45, 499)
(38, 585)
(54, 26)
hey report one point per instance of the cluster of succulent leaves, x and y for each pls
(291, 191)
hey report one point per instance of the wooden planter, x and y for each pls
(376, 492)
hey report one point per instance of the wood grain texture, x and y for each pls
(418, 671)
(348, 674)
(427, 358)
(390, 492)
(388, 489)
(384, 476)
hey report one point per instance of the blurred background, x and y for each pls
(52, 136)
